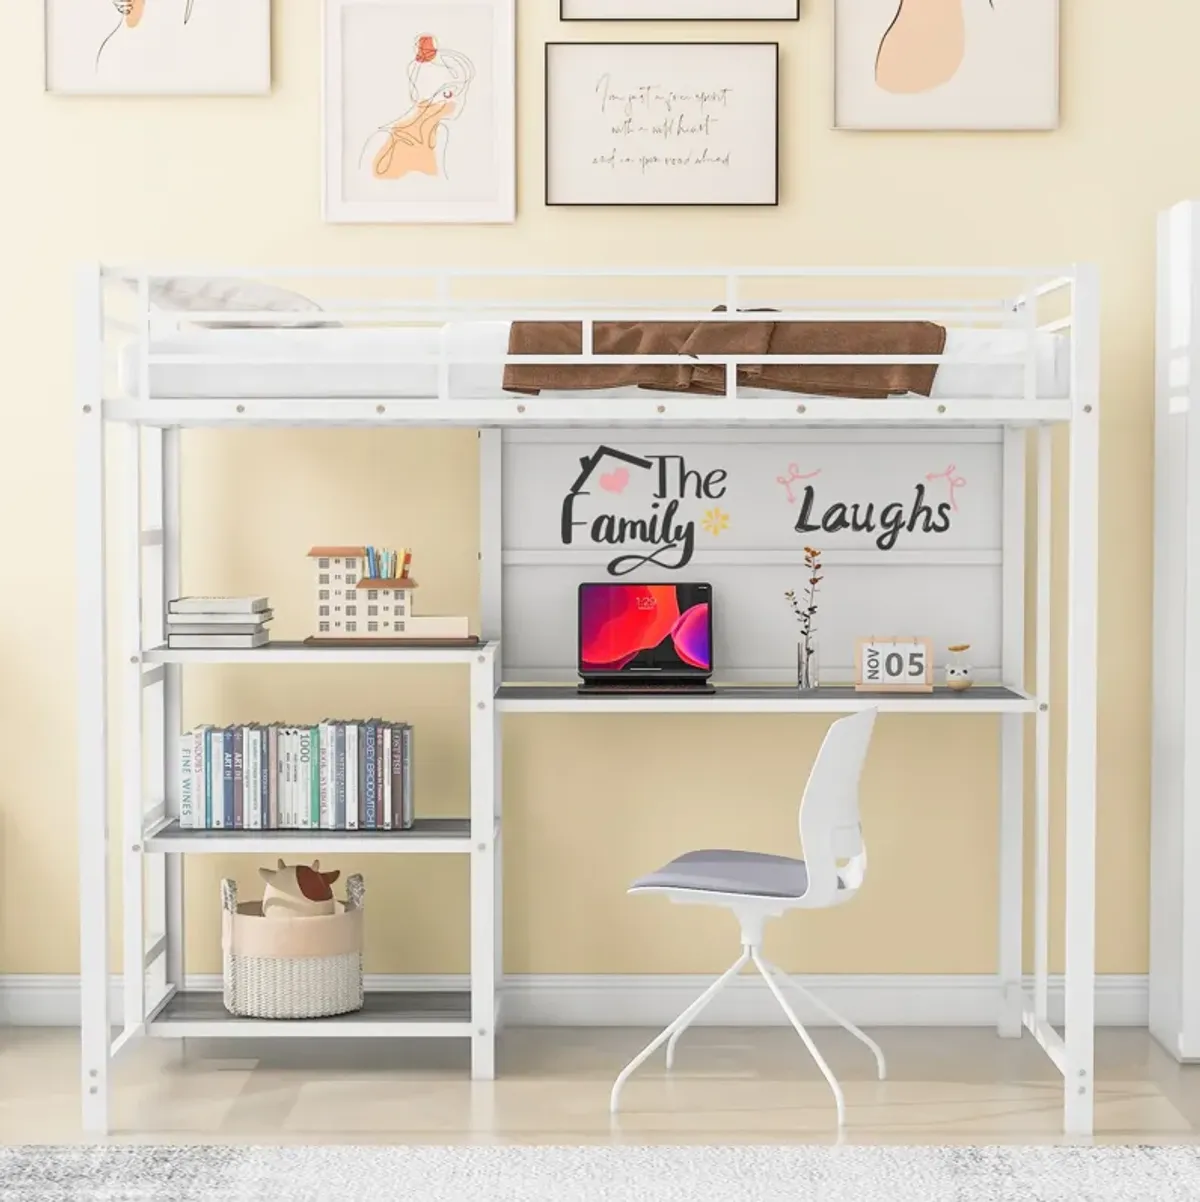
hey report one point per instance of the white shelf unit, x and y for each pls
(150, 425)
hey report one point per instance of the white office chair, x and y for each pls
(756, 887)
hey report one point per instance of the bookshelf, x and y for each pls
(159, 1001)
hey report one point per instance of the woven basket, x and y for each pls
(305, 967)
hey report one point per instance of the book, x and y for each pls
(381, 770)
(314, 777)
(385, 822)
(324, 763)
(264, 784)
(352, 761)
(287, 805)
(339, 776)
(180, 622)
(217, 605)
(227, 779)
(407, 815)
(253, 778)
(209, 762)
(299, 776)
(239, 778)
(222, 630)
(368, 810)
(273, 778)
(187, 781)
(217, 642)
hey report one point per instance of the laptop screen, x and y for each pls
(641, 628)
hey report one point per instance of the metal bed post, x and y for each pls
(1041, 895)
(1082, 598)
(483, 865)
(1012, 740)
(172, 699)
(92, 735)
(491, 605)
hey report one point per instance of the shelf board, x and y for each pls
(765, 699)
(431, 836)
(307, 653)
(399, 1014)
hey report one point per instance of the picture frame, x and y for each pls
(873, 658)
(678, 10)
(423, 128)
(996, 69)
(163, 48)
(662, 123)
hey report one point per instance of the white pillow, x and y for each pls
(184, 294)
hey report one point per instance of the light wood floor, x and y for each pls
(728, 1086)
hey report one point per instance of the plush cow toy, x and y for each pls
(297, 891)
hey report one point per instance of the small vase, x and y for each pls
(807, 668)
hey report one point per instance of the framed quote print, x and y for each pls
(158, 47)
(662, 123)
(679, 10)
(946, 64)
(418, 111)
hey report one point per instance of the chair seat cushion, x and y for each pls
(750, 873)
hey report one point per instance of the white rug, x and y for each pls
(598, 1174)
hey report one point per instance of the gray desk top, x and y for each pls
(764, 698)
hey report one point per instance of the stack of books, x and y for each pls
(335, 776)
(220, 623)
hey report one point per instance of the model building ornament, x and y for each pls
(366, 594)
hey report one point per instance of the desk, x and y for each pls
(763, 699)
(1010, 705)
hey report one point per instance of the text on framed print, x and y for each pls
(894, 664)
(662, 123)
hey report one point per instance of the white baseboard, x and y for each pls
(653, 1000)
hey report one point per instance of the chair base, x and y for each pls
(751, 953)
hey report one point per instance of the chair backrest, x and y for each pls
(830, 828)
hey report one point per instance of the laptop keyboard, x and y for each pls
(629, 688)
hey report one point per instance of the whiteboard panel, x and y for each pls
(641, 494)
(910, 532)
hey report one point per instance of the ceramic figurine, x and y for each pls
(297, 890)
(958, 671)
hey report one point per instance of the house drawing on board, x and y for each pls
(351, 605)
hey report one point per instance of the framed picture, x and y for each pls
(946, 64)
(662, 123)
(158, 47)
(418, 111)
(679, 10)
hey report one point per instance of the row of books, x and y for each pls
(385, 564)
(224, 623)
(335, 776)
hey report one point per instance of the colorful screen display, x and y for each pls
(645, 628)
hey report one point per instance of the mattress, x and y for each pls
(370, 363)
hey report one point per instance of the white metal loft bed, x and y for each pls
(426, 347)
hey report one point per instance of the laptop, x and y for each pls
(645, 638)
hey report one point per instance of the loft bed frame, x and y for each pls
(144, 429)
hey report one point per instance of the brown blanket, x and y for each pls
(752, 338)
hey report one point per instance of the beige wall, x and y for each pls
(213, 181)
